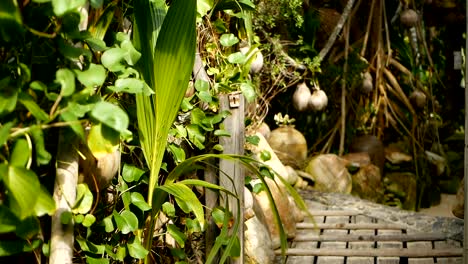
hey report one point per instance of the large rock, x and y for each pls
(284, 209)
(402, 185)
(329, 173)
(367, 183)
(257, 243)
(289, 145)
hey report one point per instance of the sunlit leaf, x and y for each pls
(66, 79)
(203, 6)
(111, 116)
(45, 204)
(248, 91)
(112, 59)
(108, 224)
(236, 57)
(91, 260)
(21, 153)
(89, 220)
(22, 185)
(102, 140)
(42, 155)
(136, 250)
(138, 200)
(95, 75)
(131, 85)
(227, 40)
(89, 246)
(84, 199)
(126, 221)
(63, 6)
(179, 236)
(169, 209)
(28, 102)
(131, 173)
(119, 254)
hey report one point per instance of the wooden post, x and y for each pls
(231, 173)
(211, 201)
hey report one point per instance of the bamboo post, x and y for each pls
(231, 173)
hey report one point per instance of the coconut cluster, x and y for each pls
(304, 99)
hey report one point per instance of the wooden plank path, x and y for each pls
(351, 237)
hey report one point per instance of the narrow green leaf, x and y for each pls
(179, 236)
(42, 155)
(66, 79)
(111, 116)
(32, 106)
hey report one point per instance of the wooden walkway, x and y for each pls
(349, 236)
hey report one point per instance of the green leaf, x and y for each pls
(201, 85)
(179, 236)
(111, 116)
(21, 153)
(177, 152)
(131, 85)
(222, 133)
(184, 195)
(196, 136)
(227, 40)
(237, 57)
(28, 228)
(248, 91)
(203, 6)
(22, 185)
(96, 3)
(38, 86)
(89, 220)
(254, 140)
(9, 220)
(66, 79)
(84, 199)
(193, 226)
(112, 59)
(205, 96)
(12, 247)
(43, 157)
(66, 217)
(8, 96)
(131, 173)
(32, 106)
(126, 221)
(138, 200)
(89, 246)
(95, 75)
(61, 7)
(218, 147)
(5, 132)
(136, 250)
(69, 116)
(90, 260)
(119, 255)
(108, 224)
(169, 209)
(132, 55)
(45, 203)
(265, 155)
(78, 218)
(102, 140)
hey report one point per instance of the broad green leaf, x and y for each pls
(69, 116)
(203, 6)
(96, 44)
(227, 40)
(9, 220)
(12, 247)
(126, 221)
(10, 20)
(254, 140)
(43, 157)
(45, 203)
(131, 173)
(131, 85)
(88, 246)
(21, 154)
(66, 79)
(136, 250)
(5, 132)
(192, 225)
(222, 133)
(38, 86)
(236, 57)
(84, 199)
(102, 140)
(73, 53)
(63, 6)
(185, 194)
(28, 228)
(196, 136)
(265, 155)
(169, 209)
(41, 1)
(179, 236)
(248, 91)
(22, 185)
(108, 224)
(112, 59)
(111, 116)
(95, 75)
(138, 200)
(78, 218)
(66, 217)
(132, 55)
(201, 85)
(177, 152)
(8, 96)
(205, 96)
(120, 253)
(89, 220)
(28, 102)
(91, 260)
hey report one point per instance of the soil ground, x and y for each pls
(444, 208)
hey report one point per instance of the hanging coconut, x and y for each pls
(367, 86)
(318, 100)
(409, 18)
(301, 97)
(418, 99)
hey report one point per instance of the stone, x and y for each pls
(289, 145)
(367, 183)
(298, 215)
(329, 173)
(284, 209)
(257, 243)
(403, 186)
(458, 209)
(292, 175)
